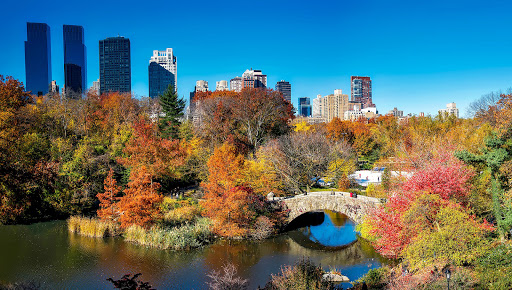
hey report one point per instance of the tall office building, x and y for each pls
(75, 61)
(331, 106)
(361, 89)
(38, 59)
(163, 71)
(304, 107)
(316, 108)
(115, 65)
(286, 89)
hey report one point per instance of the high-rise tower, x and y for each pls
(115, 65)
(38, 59)
(162, 70)
(286, 89)
(75, 61)
(361, 89)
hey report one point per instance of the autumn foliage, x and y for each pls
(140, 204)
(419, 209)
(108, 199)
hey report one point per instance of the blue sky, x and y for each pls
(419, 54)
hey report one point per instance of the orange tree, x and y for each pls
(229, 202)
(140, 204)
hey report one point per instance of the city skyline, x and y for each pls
(419, 57)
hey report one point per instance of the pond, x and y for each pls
(47, 254)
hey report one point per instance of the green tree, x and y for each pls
(173, 108)
(496, 153)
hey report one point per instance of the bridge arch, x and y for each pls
(353, 207)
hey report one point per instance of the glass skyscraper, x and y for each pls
(115, 65)
(162, 72)
(304, 107)
(38, 59)
(286, 89)
(75, 61)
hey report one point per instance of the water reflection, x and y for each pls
(46, 253)
(336, 230)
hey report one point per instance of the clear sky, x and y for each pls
(419, 54)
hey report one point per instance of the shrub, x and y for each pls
(303, 275)
(182, 215)
(375, 278)
(495, 268)
(226, 279)
(263, 228)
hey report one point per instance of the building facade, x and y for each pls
(254, 79)
(235, 84)
(335, 105)
(304, 107)
(316, 108)
(115, 65)
(361, 91)
(38, 59)
(221, 86)
(451, 109)
(396, 113)
(53, 88)
(75, 61)
(163, 72)
(286, 89)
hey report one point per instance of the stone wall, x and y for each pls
(353, 207)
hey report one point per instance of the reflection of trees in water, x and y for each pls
(338, 219)
(352, 254)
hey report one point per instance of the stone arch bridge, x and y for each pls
(353, 207)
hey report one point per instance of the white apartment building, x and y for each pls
(316, 110)
(451, 109)
(221, 86)
(235, 84)
(201, 86)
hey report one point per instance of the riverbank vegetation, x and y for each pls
(447, 181)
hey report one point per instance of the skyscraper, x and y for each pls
(115, 65)
(75, 61)
(163, 69)
(361, 89)
(38, 58)
(304, 107)
(286, 89)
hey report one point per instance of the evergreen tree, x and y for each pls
(173, 109)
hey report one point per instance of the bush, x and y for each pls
(303, 275)
(263, 228)
(375, 278)
(92, 227)
(226, 279)
(495, 268)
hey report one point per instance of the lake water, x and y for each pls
(47, 254)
